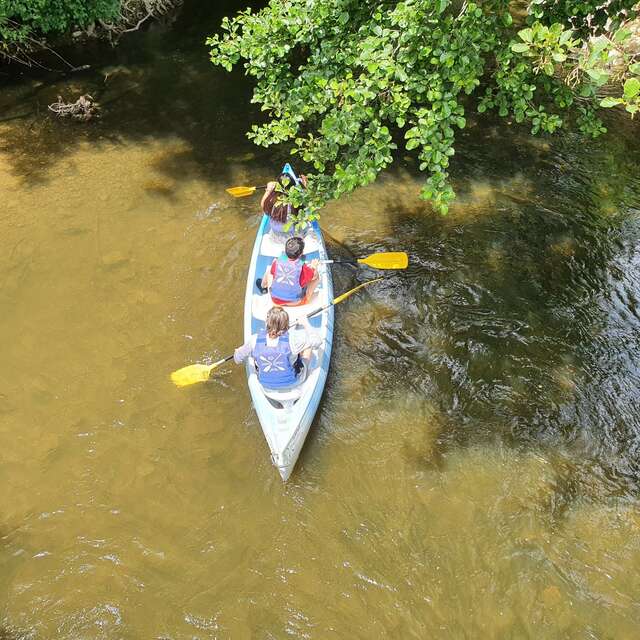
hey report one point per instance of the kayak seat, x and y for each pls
(271, 247)
(283, 396)
(286, 398)
(260, 305)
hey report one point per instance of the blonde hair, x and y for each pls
(277, 322)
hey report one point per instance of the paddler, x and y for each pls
(280, 212)
(280, 354)
(290, 281)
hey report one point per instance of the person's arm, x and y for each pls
(243, 352)
(309, 272)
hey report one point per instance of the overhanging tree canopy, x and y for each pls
(339, 77)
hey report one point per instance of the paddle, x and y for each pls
(196, 372)
(390, 260)
(193, 373)
(243, 192)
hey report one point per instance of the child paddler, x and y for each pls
(289, 279)
(279, 212)
(280, 353)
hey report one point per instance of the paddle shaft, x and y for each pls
(217, 364)
(337, 262)
(313, 313)
(309, 315)
(386, 260)
(342, 297)
(337, 300)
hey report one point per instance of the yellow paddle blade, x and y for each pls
(344, 296)
(391, 260)
(241, 192)
(191, 374)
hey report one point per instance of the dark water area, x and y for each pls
(473, 470)
(134, 83)
(537, 298)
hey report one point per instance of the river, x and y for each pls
(473, 470)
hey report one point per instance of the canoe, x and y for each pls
(286, 416)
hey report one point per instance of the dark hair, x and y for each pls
(294, 248)
(276, 210)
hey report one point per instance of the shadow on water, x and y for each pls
(153, 86)
(507, 319)
(517, 315)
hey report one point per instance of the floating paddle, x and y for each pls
(390, 260)
(193, 373)
(243, 192)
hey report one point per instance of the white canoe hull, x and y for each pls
(285, 418)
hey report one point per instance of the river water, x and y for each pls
(473, 470)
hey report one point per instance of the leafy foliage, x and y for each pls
(26, 25)
(346, 81)
(584, 16)
(20, 19)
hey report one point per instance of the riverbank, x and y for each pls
(33, 37)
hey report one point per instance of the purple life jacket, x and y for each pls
(275, 370)
(286, 281)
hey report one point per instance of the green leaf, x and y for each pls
(519, 47)
(526, 35)
(414, 132)
(635, 68)
(556, 29)
(610, 102)
(599, 76)
(412, 144)
(586, 91)
(566, 36)
(559, 57)
(621, 35)
(631, 88)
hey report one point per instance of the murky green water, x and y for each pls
(473, 471)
